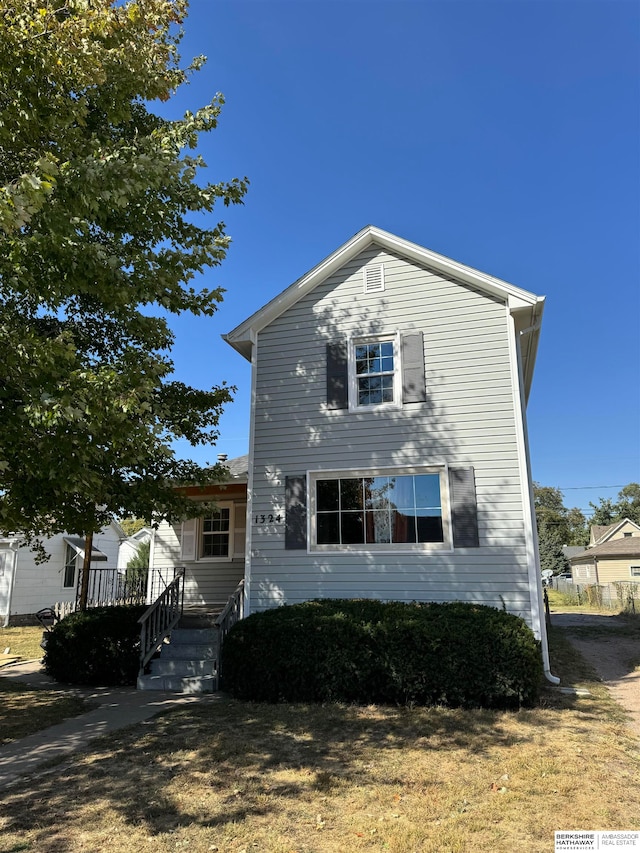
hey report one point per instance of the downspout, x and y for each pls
(528, 503)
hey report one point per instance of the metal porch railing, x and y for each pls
(160, 617)
(233, 611)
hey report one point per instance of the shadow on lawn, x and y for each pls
(225, 762)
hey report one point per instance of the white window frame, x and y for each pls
(353, 377)
(230, 505)
(634, 571)
(67, 564)
(444, 547)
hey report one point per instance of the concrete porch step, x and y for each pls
(178, 684)
(183, 668)
(189, 651)
(197, 636)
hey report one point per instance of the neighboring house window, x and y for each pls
(216, 530)
(627, 535)
(69, 577)
(635, 571)
(383, 510)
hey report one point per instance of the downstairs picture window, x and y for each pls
(381, 511)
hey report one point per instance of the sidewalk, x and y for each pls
(117, 708)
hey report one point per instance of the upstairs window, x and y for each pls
(373, 367)
(376, 372)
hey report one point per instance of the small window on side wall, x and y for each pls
(69, 574)
(635, 571)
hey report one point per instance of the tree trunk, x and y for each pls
(86, 566)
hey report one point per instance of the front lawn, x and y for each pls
(22, 642)
(232, 776)
(24, 710)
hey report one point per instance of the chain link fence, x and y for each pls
(619, 595)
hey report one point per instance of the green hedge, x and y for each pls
(366, 651)
(99, 647)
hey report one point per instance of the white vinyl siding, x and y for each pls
(208, 582)
(468, 419)
(42, 585)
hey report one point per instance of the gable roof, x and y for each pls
(598, 531)
(602, 533)
(525, 307)
(629, 547)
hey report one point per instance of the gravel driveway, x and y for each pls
(615, 657)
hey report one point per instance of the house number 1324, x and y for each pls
(268, 518)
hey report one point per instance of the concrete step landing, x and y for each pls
(188, 663)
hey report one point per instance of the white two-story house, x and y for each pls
(388, 449)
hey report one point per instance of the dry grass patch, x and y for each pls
(23, 642)
(24, 710)
(238, 777)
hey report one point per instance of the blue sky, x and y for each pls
(505, 135)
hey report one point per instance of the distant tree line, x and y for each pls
(558, 526)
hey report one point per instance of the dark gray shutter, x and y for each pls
(337, 383)
(295, 528)
(464, 508)
(414, 388)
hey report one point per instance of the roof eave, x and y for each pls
(242, 337)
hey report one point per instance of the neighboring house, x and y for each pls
(26, 586)
(613, 554)
(388, 452)
(129, 547)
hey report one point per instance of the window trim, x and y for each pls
(352, 376)
(67, 565)
(230, 505)
(445, 547)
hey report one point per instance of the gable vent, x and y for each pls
(374, 279)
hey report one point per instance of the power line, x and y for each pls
(570, 488)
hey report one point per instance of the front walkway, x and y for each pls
(117, 708)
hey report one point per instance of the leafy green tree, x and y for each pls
(550, 546)
(138, 566)
(133, 525)
(607, 511)
(103, 227)
(569, 526)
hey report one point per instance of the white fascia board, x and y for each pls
(241, 337)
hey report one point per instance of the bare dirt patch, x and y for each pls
(611, 645)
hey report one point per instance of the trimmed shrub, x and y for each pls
(100, 647)
(367, 651)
